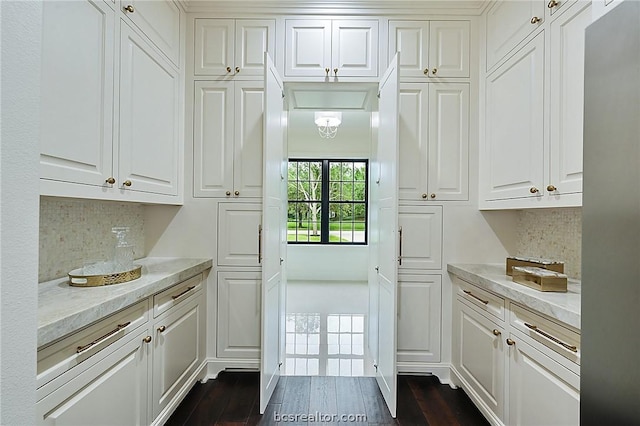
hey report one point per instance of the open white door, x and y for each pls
(274, 222)
(384, 206)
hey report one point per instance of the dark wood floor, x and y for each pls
(233, 399)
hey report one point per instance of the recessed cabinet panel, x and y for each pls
(413, 140)
(449, 51)
(355, 48)
(239, 307)
(120, 379)
(249, 123)
(176, 352)
(449, 141)
(160, 21)
(567, 87)
(214, 47)
(308, 47)
(420, 237)
(238, 234)
(514, 155)
(411, 38)
(481, 359)
(149, 93)
(77, 92)
(253, 38)
(419, 318)
(213, 139)
(541, 392)
(508, 23)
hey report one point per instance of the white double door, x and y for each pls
(383, 282)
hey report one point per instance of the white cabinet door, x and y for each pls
(413, 140)
(239, 301)
(239, 234)
(567, 94)
(177, 350)
(214, 47)
(480, 357)
(448, 141)
(420, 238)
(77, 92)
(602, 7)
(509, 23)
(213, 136)
(513, 155)
(449, 48)
(149, 102)
(411, 38)
(253, 38)
(308, 47)
(113, 391)
(419, 318)
(160, 21)
(249, 135)
(354, 48)
(541, 391)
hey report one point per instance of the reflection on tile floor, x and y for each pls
(327, 344)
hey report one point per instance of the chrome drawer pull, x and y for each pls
(486, 302)
(572, 348)
(101, 338)
(177, 296)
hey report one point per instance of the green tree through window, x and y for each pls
(327, 201)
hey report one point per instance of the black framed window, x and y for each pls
(328, 201)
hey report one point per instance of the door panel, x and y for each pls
(214, 47)
(308, 50)
(274, 219)
(387, 208)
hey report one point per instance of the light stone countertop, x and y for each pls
(63, 309)
(564, 307)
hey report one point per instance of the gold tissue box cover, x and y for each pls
(551, 265)
(540, 278)
(77, 279)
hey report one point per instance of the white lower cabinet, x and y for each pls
(522, 369)
(420, 235)
(239, 234)
(419, 313)
(238, 314)
(126, 369)
(113, 391)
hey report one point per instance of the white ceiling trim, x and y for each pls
(335, 7)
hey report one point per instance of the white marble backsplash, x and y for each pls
(74, 231)
(552, 234)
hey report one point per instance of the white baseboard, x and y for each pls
(441, 371)
(216, 365)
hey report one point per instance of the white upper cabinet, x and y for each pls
(77, 92)
(434, 142)
(232, 46)
(567, 91)
(602, 7)
(513, 156)
(338, 48)
(431, 48)
(239, 234)
(160, 21)
(228, 137)
(149, 102)
(420, 238)
(508, 23)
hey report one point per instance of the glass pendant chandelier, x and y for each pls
(328, 122)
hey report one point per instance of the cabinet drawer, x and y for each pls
(546, 334)
(481, 299)
(65, 354)
(174, 295)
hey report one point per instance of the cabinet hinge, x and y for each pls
(282, 95)
(378, 95)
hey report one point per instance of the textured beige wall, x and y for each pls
(552, 234)
(74, 231)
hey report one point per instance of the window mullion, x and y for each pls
(324, 210)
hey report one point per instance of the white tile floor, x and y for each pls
(326, 329)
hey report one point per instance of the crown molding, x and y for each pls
(338, 7)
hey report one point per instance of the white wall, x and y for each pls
(21, 24)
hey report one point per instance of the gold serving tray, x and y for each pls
(78, 279)
(539, 278)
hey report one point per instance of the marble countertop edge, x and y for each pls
(63, 309)
(563, 307)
